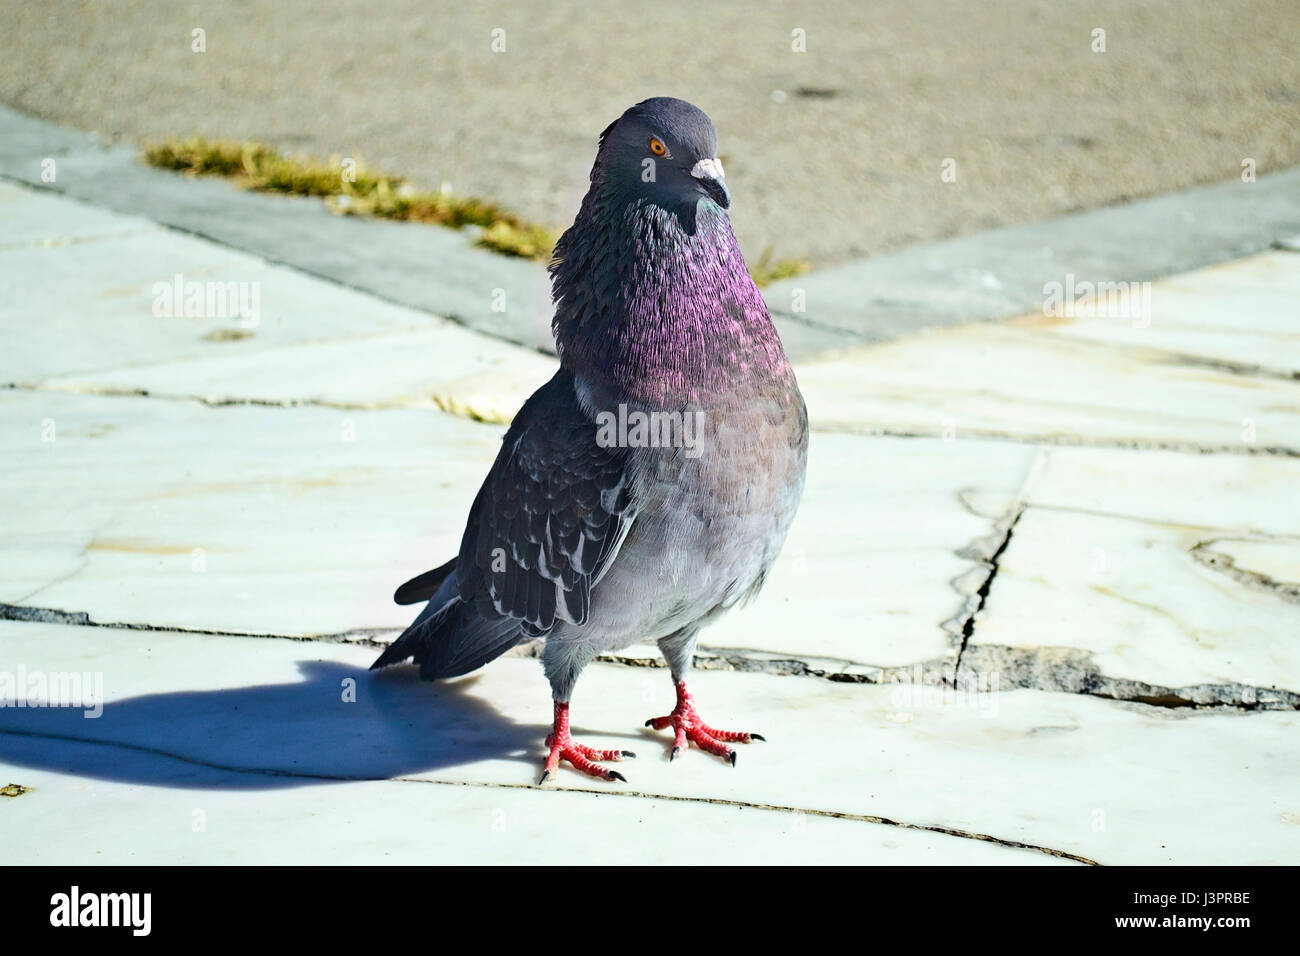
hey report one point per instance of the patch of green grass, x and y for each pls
(361, 192)
(228, 335)
(528, 242)
(364, 192)
(766, 271)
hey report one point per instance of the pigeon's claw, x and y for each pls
(563, 746)
(687, 726)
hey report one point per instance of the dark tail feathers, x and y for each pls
(452, 640)
(423, 586)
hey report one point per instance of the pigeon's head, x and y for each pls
(663, 150)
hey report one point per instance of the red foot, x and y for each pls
(686, 722)
(582, 758)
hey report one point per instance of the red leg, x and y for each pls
(687, 725)
(583, 758)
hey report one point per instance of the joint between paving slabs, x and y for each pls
(1203, 553)
(447, 405)
(1051, 669)
(437, 401)
(1063, 441)
(369, 637)
(623, 794)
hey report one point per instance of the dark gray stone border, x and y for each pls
(981, 277)
(1000, 273)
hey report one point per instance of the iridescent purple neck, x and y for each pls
(659, 311)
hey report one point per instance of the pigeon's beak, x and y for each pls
(709, 173)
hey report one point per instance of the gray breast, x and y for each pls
(712, 519)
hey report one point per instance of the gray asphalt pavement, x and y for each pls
(833, 153)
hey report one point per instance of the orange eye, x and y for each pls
(657, 146)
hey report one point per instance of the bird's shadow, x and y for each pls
(339, 723)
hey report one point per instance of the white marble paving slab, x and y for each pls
(1243, 311)
(1115, 379)
(867, 573)
(80, 315)
(444, 367)
(1171, 380)
(1276, 560)
(1077, 774)
(244, 518)
(415, 823)
(1004, 380)
(1132, 595)
(1241, 492)
(30, 217)
(301, 531)
(1107, 560)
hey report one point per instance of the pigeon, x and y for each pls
(648, 487)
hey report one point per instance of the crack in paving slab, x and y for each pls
(986, 552)
(1067, 441)
(46, 615)
(622, 794)
(983, 669)
(82, 563)
(990, 668)
(60, 242)
(1230, 532)
(436, 402)
(447, 405)
(1243, 369)
(1204, 554)
(707, 658)
(1069, 670)
(976, 602)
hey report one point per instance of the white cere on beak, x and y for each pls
(707, 169)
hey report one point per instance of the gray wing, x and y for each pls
(550, 517)
(546, 524)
